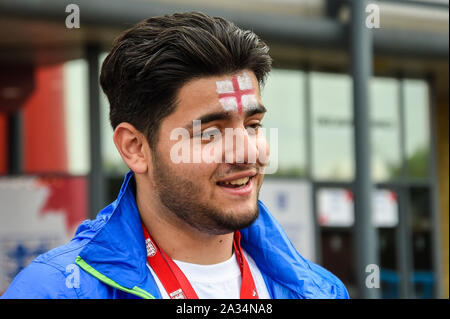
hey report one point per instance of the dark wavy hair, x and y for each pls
(150, 62)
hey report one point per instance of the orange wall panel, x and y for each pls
(44, 123)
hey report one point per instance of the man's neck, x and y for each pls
(179, 240)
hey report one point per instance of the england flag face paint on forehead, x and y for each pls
(237, 94)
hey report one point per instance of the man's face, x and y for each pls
(218, 195)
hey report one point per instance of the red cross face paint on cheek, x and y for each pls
(237, 93)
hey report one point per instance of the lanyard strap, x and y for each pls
(175, 282)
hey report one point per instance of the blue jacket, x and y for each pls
(107, 259)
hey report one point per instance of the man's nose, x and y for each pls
(240, 146)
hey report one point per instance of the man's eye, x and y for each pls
(254, 127)
(207, 134)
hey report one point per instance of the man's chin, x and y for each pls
(239, 206)
(239, 216)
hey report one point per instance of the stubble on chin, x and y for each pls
(188, 203)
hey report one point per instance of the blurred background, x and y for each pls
(59, 166)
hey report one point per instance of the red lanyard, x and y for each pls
(175, 282)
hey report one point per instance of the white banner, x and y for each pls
(36, 215)
(289, 202)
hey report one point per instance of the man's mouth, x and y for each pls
(237, 183)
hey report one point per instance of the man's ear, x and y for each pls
(132, 146)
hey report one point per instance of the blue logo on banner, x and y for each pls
(20, 255)
(281, 200)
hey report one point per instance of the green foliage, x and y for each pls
(416, 164)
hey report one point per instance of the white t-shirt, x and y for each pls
(218, 281)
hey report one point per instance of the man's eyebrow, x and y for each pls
(225, 116)
(257, 110)
(210, 117)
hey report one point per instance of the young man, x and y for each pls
(186, 225)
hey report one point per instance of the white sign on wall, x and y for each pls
(289, 202)
(385, 208)
(335, 208)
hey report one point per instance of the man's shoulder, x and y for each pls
(330, 286)
(64, 256)
(290, 274)
(55, 273)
